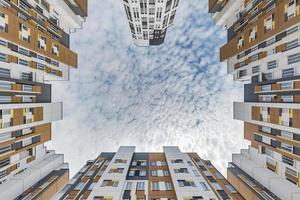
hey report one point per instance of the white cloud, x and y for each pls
(174, 94)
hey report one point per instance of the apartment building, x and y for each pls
(34, 49)
(150, 19)
(167, 175)
(263, 50)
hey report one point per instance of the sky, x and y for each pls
(174, 94)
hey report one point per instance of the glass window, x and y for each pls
(204, 186)
(168, 186)
(288, 72)
(287, 85)
(140, 186)
(272, 64)
(154, 173)
(155, 185)
(294, 58)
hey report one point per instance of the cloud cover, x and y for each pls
(174, 94)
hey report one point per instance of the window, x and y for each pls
(128, 186)
(5, 99)
(266, 98)
(196, 173)
(26, 76)
(287, 98)
(168, 6)
(158, 163)
(79, 186)
(41, 57)
(27, 99)
(154, 185)
(5, 149)
(41, 66)
(116, 170)
(23, 51)
(181, 170)
(290, 10)
(55, 49)
(26, 142)
(3, 57)
(288, 72)
(168, 186)
(253, 34)
(272, 64)
(139, 163)
(23, 62)
(4, 162)
(268, 76)
(287, 85)
(154, 173)
(5, 86)
(4, 72)
(142, 173)
(120, 161)
(5, 136)
(185, 183)
(294, 58)
(240, 42)
(287, 160)
(254, 57)
(177, 161)
(131, 173)
(287, 147)
(3, 22)
(266, 129)
(140, 186)
(270, 41)
(267, 151)
(230, 188)
(24, 33)
(204, 186)
(269, 23)
(287, 135)
(292, 30)
(110, 183)
(266, 88)
(258, 138)
(217, 186)
(42, 42)
(292, 44)
(27, 88)
(26, 131)
(165, 172)
(55, 63)
(242, 73)
(2, 173)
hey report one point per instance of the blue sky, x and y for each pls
(174, 94)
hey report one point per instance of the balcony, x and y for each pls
(271, 164)
(292, 175)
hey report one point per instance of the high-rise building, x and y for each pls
(263, 49)
(169, 175)
(150, 19)
(34, 48)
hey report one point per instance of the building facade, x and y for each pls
(169, 175)
(34, 49)
(263, 49)
(150, 19)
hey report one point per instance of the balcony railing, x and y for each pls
(291, 175)
(271, 164)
